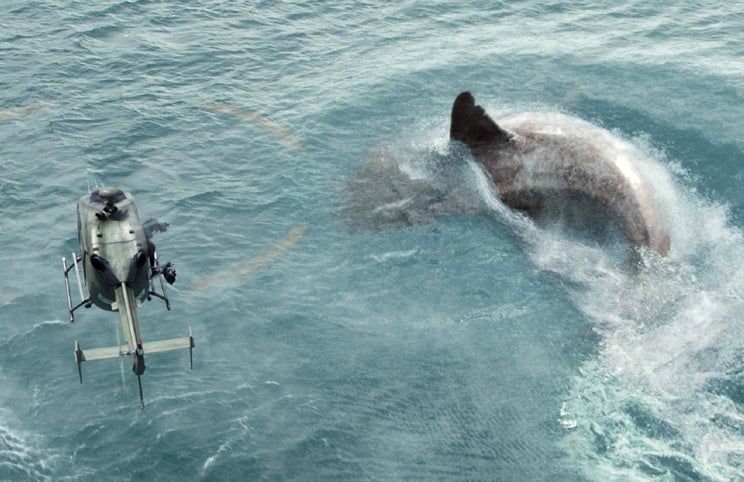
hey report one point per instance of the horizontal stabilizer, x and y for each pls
(94, 354)
(168, 345)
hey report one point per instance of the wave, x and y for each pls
(19, 460)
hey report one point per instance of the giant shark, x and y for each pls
(550, 170)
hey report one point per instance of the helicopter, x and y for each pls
(121, 270)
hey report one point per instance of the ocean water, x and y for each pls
(351, 323)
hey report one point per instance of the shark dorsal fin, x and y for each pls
(472, 126)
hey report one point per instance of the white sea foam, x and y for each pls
(669, 334)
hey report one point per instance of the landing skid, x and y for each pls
(84, 301)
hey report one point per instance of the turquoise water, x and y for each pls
(454, 342)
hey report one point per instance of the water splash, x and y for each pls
(662, 397)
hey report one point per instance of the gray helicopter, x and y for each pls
(121, 270)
